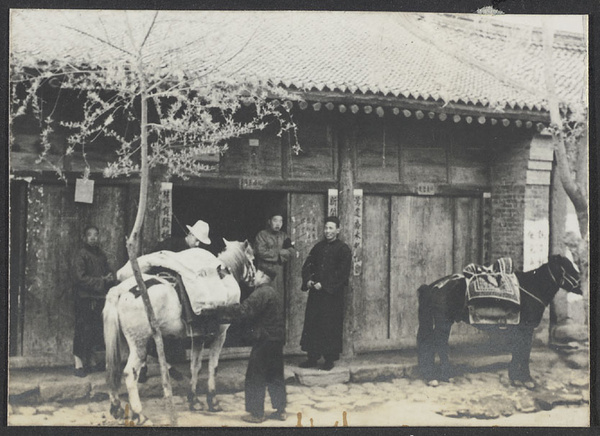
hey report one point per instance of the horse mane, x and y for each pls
(234, 258)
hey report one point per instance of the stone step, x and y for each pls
(319, 377)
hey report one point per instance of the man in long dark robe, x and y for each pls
(325, 276)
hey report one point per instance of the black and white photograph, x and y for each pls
(293, 218)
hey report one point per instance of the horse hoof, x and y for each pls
(117, 411)
(196, 406)
(216, 407)
(529, 384)
(433, 383)
(138, 420)
(516, 383)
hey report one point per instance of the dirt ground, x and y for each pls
(475, 397)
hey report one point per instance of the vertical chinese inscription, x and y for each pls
(332, 202)
(166, 209)
(357, 241)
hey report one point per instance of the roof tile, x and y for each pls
(447, 58)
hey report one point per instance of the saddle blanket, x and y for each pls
(206, 280)
(495, 282)
(493, 294)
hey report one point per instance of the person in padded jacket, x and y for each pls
(263, 313)
(92, 278)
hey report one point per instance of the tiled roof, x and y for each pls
(446, 58)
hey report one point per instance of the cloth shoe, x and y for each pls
(278, 415)
(308, 364)
(79, 372)
(253, 419)
(327, 365)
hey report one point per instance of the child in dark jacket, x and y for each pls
(263, 311)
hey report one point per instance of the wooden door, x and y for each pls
(409, 241)
(305, 224)
(54, 227)
(421, 251)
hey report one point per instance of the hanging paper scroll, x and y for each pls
(357, 232)
(166, 209)
(84, 191)
(332, 202)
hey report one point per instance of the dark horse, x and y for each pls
(440, 307)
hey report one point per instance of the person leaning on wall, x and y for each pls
(92, 278)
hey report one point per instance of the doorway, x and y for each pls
(231, 214)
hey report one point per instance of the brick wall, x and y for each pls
(508, 179)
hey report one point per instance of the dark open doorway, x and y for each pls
(233, 215)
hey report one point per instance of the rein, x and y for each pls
(532, 296)
(552, 275)
(539, 300)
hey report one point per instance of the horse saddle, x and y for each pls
(196, 325)
(493, 296)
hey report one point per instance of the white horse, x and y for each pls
(125, 316)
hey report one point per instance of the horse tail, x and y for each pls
(112, 338)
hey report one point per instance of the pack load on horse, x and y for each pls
(209, 281)
(490, 298)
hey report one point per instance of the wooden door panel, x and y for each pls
(421, 252)
(372, 298)
(307, 212)
(467, 249)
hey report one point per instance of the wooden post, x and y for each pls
(347, 155)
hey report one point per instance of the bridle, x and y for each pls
(565, 279)
(249, 273)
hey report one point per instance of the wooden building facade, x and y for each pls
(420, 195)
(431, 159)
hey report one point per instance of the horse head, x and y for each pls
(564, 273)
(239, 258)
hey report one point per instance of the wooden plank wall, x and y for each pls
(372, 299)
(307, 212)
(316, 160)
(411, 241)
(421, 235)
(468, 248)
(54, 226)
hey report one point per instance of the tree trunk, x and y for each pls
(559, 311)
(576, 192)
(133, 247)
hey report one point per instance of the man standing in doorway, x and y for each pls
(325, 276)
(273, 248)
